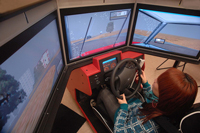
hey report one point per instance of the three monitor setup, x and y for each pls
(33, 62)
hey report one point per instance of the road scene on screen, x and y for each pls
(176, 33)
(91, 33)
(27, 79)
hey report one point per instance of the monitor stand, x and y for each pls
(176, 65)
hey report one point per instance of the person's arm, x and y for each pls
(147, 91)
(122, 116)
(145, 84)
(125, 122)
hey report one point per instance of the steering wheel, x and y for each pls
(123, 75)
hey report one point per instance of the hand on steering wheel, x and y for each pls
(123, 77)
(122, 101)
(143, 76)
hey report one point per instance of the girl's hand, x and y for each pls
(123, 100)
(143, 76)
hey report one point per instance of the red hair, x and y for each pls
(177, 92)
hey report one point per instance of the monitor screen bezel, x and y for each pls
(160, 53)
(12, 46)
(90, 9)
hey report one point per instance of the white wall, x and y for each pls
(81, 3)
(17, 24)
(188, 4)
(14, 26)
(77, 3)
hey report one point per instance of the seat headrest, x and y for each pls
(191, 122)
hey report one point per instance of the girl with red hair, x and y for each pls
(176, 92)
(172, 94)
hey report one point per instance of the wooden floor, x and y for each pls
(151, 63)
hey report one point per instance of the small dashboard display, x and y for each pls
(109, 64)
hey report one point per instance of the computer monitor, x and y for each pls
(30, 66)
(167, 32)
(90, 30)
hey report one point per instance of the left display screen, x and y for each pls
(28, 76)
(109, 64)
(87, 33)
